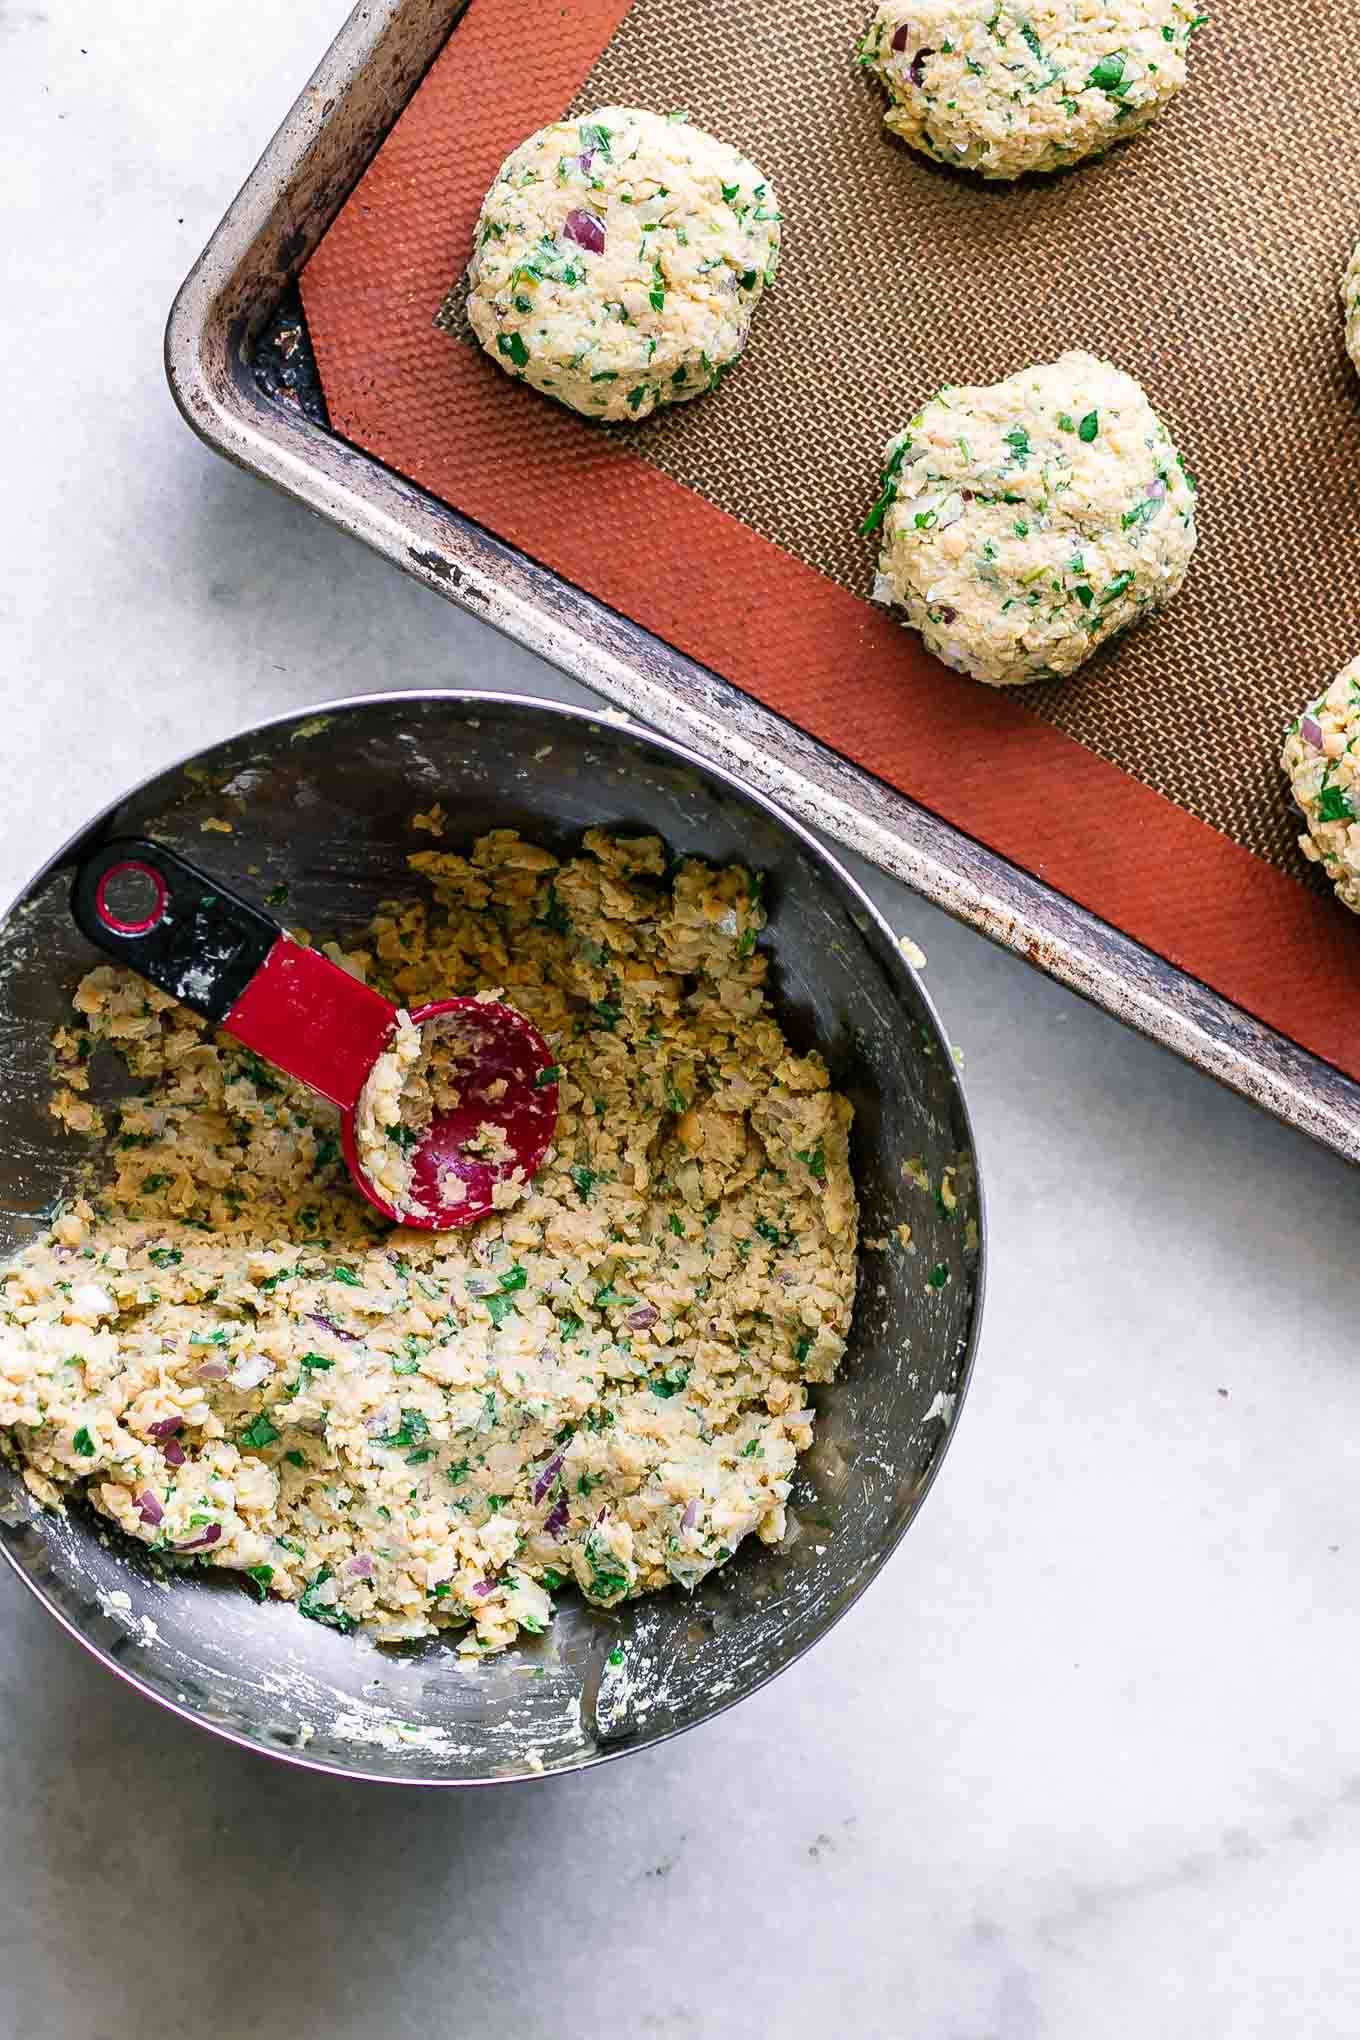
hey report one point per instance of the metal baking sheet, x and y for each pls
(274, 425)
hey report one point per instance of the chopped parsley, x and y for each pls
(257, 1434)
(269, 1283)
(1108, 74)
(260, 1077)
(319, 1611)
(606, 1581)
(769, 1231)
(1334, 805)
(554, 916)
(1141, 513)
(410, 1431)
(889, 495)
(606, 1297)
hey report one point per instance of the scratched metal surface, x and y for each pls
(324, 799)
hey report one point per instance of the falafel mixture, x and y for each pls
(1001, 89)
(1323, 770)
(618, 262)
(1025, 523)
(231, 1357)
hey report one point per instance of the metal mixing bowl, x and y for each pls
(324, 799)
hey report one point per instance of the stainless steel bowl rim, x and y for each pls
(464, 698)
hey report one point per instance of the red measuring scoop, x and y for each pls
(193, 937)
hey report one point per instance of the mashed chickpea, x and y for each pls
(237, 1363)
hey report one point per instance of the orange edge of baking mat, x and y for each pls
(576, 500)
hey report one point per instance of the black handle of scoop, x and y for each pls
(190, 936)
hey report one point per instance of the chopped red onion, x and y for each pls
(174, 1452)
(167, 1428)
(209, 1536)
(1157, 489)
(481, 1588)
(148, 1508)
(583, 228)
(690, 1517)
(640, 1319)
(584, 161)
(548, 1476)
(556, 1522)
(211, 1370)
(902, 38)
(918, 68)
(360, 1568)
(1311, 732)
(329, 1325)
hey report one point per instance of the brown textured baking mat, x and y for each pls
(1204, 258)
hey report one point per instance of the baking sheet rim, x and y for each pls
(283, 209)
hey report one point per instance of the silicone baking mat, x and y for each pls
(1204, 258)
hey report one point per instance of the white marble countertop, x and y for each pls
(1085, 1761)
